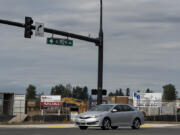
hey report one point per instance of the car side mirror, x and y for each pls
(114, 110)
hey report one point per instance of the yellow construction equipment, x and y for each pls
(81, 104)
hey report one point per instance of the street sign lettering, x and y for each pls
(59, 41)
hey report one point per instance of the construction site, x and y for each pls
(15, 108)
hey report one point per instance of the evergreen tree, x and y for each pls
(169, 92)
(117, 93)
(61, 90)
(127, 92)
(111, 94)
(31, 92)
(85, 94)
(121, 92)
(77, 92)
(148, 91)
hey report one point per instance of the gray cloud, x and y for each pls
(141, 44)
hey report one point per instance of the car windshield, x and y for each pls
(101, 108)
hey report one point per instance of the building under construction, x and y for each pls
(11, 104)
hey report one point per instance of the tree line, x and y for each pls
(81, 93)
(120, 93)
(77, 92)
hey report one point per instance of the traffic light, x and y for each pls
(104, 92)
(94, 92)
(28, 27)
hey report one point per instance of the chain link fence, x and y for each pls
(164, 111)
(32, 112)
(21, 110)
(60, 113)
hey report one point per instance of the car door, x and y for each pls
(128, 114)
(117, 117)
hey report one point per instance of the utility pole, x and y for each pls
(100, 57)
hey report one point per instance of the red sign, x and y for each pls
(50, 100)
(50, 103)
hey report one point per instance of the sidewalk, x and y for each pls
(147, 125)
(39, 126)
(162, 122)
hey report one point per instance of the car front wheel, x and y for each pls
(83, 127)
(136, 124)
(106, 124)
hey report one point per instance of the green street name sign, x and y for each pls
(59, 41)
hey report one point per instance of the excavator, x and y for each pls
(80, 104)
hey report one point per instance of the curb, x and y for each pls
(40, 126)
(147, 125)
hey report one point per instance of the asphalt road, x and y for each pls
(90, 131)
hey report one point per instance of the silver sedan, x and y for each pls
(110, 116)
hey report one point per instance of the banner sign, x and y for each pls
(147, 99)
(50, 100)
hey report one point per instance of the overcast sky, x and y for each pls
(142, 45)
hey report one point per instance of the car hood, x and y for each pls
(91, 113)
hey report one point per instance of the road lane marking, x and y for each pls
(144, 126)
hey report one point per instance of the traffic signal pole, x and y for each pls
(53, 31)
(98, 42)
(100, 57)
